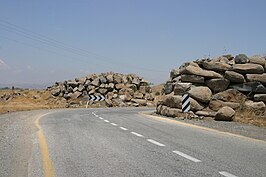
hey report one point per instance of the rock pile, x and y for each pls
(118, 89)
(217, 87)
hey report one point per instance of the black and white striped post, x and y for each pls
(185, 104)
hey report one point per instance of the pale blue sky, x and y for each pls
(146, 37)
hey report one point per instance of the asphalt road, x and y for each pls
(120, 142)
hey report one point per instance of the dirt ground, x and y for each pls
(22, 100)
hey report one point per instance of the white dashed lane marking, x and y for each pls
(123, 128)
(155, 142)
(106, 121)
(113, 124)
(100, 118)
(226, 174)
(186, 156)
(137, 134)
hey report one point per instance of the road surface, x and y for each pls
(120, 142)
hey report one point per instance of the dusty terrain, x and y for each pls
(22, 100)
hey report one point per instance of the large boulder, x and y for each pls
(136, 81)
(56, 91)
(172, 112)
(110, 78)
(119, 86)
(72, 84)
(254, 106)
(103, 79)
(250, 87)
(96, 82)
(168, 88)
(192, 78)
(260, 97)
(248, 68)
(257, 59)
(217, 85)
(234, 77)
(138, 95)
(175, 101)
(202, 94)
(181, 88)
(174, 73)
(215, 105)
(225, 114)
(117, 78)
(141, 102)
(81, 88)
(196, 70)
(241, 59)
(230, 95)
(216, 66)
(76, 95)
(205, 113)
(257, 77)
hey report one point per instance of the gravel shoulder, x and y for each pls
(16, 133)
(247, 130)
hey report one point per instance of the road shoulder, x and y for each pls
(230, 128)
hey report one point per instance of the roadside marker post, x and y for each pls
(185, 104)
(92, 98)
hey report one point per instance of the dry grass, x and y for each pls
(28, 100)
(250, 117)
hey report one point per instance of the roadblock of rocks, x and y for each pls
(118, 89)
(217, 87)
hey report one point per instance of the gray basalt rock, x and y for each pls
(241, 59)
(192, 78)
(174, 73)
(250, 87)
(260, 97)
(217, 85)
(168, 88)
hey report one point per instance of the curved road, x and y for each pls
(120, 142)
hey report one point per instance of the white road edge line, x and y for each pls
(186, 156)
(106, 120)
(224, 173)
(137, 134)
(155, 142)
(123, 128)
(113, 124)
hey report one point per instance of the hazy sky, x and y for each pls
(56, 40)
